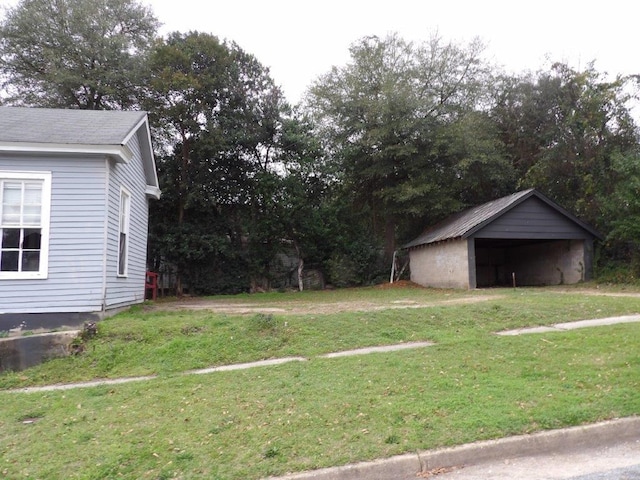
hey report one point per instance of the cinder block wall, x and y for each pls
(441, 265)
(552, 263)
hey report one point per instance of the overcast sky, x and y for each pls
(300, 40)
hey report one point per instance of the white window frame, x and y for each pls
(45, 222)
(124, 220)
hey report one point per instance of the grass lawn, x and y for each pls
(265, 421)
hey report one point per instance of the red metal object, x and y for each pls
(151, 285)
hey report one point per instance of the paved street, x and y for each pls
(619, 462)
(627, 473)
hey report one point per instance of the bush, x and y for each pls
(362, 264)
(617, 273)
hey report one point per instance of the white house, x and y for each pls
(74, 196)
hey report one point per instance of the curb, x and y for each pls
(410, 466)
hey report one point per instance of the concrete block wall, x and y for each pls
(551, 263)
(441, 265)
(19, 353)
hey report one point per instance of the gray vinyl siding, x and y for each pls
(122, 291)
(532, 219)
(76, 240)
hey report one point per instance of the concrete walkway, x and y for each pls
(558, 327)
(225, 368)
(385, 348)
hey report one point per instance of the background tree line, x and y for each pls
(400, 137)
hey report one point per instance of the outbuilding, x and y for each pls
(524, 239)
(75, 187)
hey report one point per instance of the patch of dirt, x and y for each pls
(312, 307)
(399, 284)
(596, 292)
(315, 307)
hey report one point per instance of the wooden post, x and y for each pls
(300, 267)
(393, 266)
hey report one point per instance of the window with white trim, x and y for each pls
(25, 203)
(123, 230)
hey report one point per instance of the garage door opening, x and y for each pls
(530, 262)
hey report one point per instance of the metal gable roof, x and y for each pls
(466, 223)
(67, 127)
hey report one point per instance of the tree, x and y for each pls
(75, 53)
(188, 75)
(381, 115)
(562, 129)
(482, 171)
(305, 194)
(219, 114)
(621, 209)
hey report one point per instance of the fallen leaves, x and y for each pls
(436, 471)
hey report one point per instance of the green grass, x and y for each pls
(267, 421)
(163, 343)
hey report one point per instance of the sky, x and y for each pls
(299, 40)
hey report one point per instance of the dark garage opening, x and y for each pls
(531, 262)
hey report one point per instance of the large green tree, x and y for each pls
(621, 209)
(75, 53)
(562, 128)
(386, 115)
(220, 116)
(305, 195)
(188, 90)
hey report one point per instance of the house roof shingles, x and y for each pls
(465, 223)
(66, 127)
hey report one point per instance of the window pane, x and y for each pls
(12, 193)
(9, 261)
(14, 198)
(33, 194)
(10, 215)
(122, 258)
(10, 238)
(31, 217)
(125, 205)
(31, 239)
(30, 261)
(124, 213)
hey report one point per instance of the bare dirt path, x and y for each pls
(597, 292)
(303, 308)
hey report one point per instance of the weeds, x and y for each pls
(265, 323)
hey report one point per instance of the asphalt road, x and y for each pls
(616, 462)
(628, 473)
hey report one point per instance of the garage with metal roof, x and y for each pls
(524, 239)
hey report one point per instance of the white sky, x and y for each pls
(300, 40)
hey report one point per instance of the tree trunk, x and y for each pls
(179, 291)
(300, 267)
